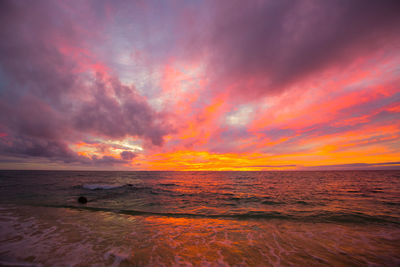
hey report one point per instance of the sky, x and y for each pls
(200, 85)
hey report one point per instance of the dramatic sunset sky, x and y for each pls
(200, 85)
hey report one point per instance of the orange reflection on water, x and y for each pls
(109, 239)
(204, 241)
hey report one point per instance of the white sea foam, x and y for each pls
(31, 234)
(116, 256)
(18, 264)
(101, 186)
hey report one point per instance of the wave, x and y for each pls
(392, 203)
(245, 199)
(305, 203)
(322, 217)
(101, 186)
(270, 202)
(19, 264)
(168, 184)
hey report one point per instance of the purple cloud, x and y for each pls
(263, 47)
(127, 155)
(49, 95)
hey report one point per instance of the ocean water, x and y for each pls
(329, 218)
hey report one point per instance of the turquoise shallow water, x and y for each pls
(200, 218)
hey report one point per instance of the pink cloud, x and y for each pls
(272, 78)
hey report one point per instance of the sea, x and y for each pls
(204, 218)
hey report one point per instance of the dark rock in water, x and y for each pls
(82, 200)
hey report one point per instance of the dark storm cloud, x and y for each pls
(47, 98)
(65, 66)
(262, 47)
(127, 155)
(119, 114)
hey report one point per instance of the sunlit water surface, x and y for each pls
(200, 218)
